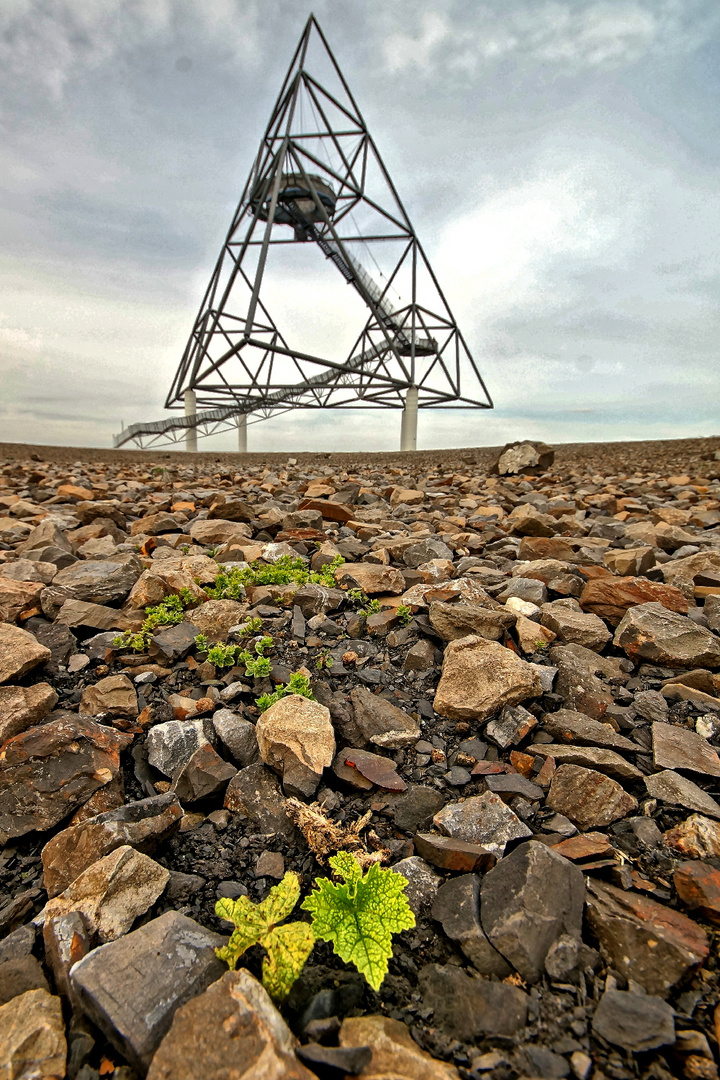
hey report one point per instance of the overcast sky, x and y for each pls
(559, 161)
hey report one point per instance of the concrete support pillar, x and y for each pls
(242, 433)
(408, 426)
(190, 410)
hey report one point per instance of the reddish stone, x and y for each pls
(448, 853)
(294, 535)
(644, 940)
(589, 845)
(490, 768)
(698, 886)
(610, 597)
(330, 511)
(545, 547)
(375, 768)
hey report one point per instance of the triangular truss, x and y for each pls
(319, 180)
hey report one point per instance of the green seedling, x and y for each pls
(252, 626)
(360, 916)
(298, 684)
(404, 614)
(169, 612)
(230, 584)
(324, 660)
(287, 947)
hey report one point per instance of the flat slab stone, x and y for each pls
(677, 790)
(587, 797)
(677, 748)
(20, 652)
(394, 1052)
(46, 771)
(132, 987)
(481, 819)
(636, 1022)
(470, 1008)
(643, 940)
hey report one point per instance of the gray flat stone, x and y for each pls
(131, 988)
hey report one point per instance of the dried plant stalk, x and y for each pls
(325, 837)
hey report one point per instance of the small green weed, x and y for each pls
(287, 947)
(169, 612)
(404, 614)
(298, 684)
(360, 916)
(230, 584)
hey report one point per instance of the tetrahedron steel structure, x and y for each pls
(318, 180)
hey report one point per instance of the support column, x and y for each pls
(190, 410)
(408, 425)
(242, 433)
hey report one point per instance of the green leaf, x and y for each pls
(360, 916)
(287, 947)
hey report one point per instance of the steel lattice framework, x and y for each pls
(318, 179)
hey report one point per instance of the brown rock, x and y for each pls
(569, 726)
(32, 1037)
(587, 797)
(523, 458)
(378, 770)
(46, 771)
(678, 790)
(677, 748)
(296, 731)
(643, 940)
(698, 887)
(154, 585)
(479, 677)
(202, 775)
(231, 1030)
(210, 532)
(18, 974)
(395, 1055)
(17, 597)
(75, 613)
(112, 892)
(697, 837)
(590, 757)
(113, 696)
(652, 632)
(682, 573)
(23, 706)
(578, 682)
(610, 597)
(545, 547)
(454, 621)
(66, 939)
(572, 626)
(141, 825)
(331, 511)
(215, 617)
(20, 652)
(449, 853)
(372, 578)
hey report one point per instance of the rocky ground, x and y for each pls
(516, 705)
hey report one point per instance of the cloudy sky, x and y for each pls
(559, 160)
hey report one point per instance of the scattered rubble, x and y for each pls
(497, 673)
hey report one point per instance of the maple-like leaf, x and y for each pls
(360, 916)
(287, 947)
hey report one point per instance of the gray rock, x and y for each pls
(131, 988)
(238, 735)
(425, 550)
(590, 757)
(174, 643)
(573, 626)
(423, 882)
(578, 681)
(512, 725)
(468, 1008)
(102, 581)
(413, 809)
(380, 722)
(255, 792)
(457, 909)
(650, 705)
(481, 819)
(677, 790)
(528, 901)
(171, 745)
(653, 632)
(532, 590)
(19, 975)
(203, 774)
(636, 1022)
